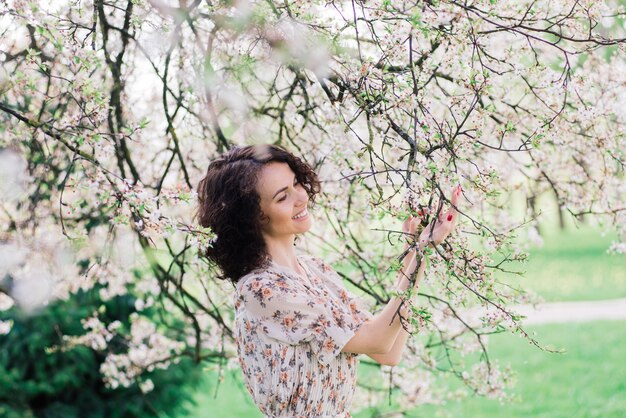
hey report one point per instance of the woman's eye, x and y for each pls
(282, 198)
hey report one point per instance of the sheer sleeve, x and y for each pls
(289, 313)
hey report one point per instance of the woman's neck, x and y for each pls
(283, 253)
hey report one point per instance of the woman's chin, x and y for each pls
(304, 225)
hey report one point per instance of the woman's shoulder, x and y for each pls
(257, 275)
(271, 288)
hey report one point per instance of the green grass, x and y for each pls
(589, 380)
(573, 265)
(227, 398)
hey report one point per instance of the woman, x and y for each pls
(297, 329)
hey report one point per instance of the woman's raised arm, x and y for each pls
(378, 336)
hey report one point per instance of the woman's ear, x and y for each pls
(263, 219)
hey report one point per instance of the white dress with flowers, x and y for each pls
(289, 332)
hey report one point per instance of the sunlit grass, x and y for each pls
(574, 265)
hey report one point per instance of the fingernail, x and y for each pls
(449, 218)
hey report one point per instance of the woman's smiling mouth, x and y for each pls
(301, 215)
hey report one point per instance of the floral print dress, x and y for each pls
(289, 332)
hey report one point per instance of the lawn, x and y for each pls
(573, 265)
(232, 400)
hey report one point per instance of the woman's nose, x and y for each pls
(303, 197)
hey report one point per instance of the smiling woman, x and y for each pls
(297, 329)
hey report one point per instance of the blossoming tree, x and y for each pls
(111, 111)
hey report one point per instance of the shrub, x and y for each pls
(37, 381)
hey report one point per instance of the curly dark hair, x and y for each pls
(230, 205)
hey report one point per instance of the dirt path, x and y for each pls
(559, 312)
(552, 312)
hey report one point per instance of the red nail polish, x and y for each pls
(449, 218)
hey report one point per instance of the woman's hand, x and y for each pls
(409, 227)
(440, 228)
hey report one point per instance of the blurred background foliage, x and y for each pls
(38, 380)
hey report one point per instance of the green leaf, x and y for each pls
(510, 127)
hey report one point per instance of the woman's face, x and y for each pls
(283, 201)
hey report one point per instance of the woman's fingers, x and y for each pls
(452, 212)
(422, 266)
(409, 226)
(442, 226)
(455, 194)
(406, 226)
